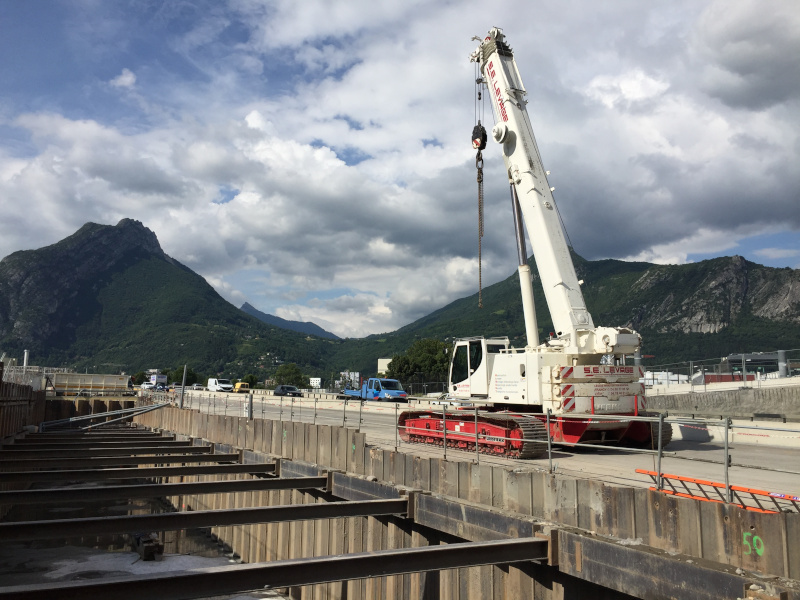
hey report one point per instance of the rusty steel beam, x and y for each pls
(100, 444)
(108, 431)
(14, 455)
(108, 461)
(157, 490)
(65, 528)
(50, 437)
(216, 581)
(137, 473)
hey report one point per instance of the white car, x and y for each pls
(219, 385)
(147, 385)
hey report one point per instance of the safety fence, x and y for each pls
(713, 491)
(755, 370)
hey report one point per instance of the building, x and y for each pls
(383, 366)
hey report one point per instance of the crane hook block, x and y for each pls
(478, 137)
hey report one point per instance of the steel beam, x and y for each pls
(65, 528)
(109, 461)
(95, 444)
(645, 572)
(157, 490)
(216, 581)
(355, 488)
(53, 437)
(470, 521)
(136, 473)
(8, 455)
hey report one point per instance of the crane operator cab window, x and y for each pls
(475, 355)
(460, 364)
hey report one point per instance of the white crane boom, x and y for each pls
(571, 320)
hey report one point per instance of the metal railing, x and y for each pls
(374, 416)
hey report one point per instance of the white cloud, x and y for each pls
(702, 241)
(278, 149)
(777, 253)
(126, 79)
(628, 87)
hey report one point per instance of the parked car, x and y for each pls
(197, 386)
(147, 385)
(241, 387)
(287, 390)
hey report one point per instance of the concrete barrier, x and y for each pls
(742, 431)
(747, 402)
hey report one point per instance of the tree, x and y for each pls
(176, 376)
(138, 378)
(251, 380)
(428, 356)
(290, 374)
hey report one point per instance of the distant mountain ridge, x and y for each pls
(108, 298)
(690, 311)
(299, 326)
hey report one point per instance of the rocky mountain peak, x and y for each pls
(36, 286)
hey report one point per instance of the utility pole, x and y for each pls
(183, 384)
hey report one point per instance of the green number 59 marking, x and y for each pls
(757, 545)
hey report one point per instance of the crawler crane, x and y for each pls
(581, 370)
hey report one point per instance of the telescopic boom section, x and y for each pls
(526, 173)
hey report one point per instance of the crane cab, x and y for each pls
(471, 366)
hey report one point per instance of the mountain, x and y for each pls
(299, 326)
(684, 312)
(108, 298)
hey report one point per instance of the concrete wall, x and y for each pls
(20, 406)
(741, 402)
(711, 531)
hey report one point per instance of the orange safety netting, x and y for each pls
(713, 491)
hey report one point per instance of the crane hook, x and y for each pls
(479, 137)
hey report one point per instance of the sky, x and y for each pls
(313, 158)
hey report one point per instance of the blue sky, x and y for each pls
(313, 158)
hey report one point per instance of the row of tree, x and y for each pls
(427, 358)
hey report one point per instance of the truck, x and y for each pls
(88, 384)
(241, 387)
(580, 370)
(378, 388)
(219, 385)
(158, 380)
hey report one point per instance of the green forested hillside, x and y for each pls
(108, 299)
